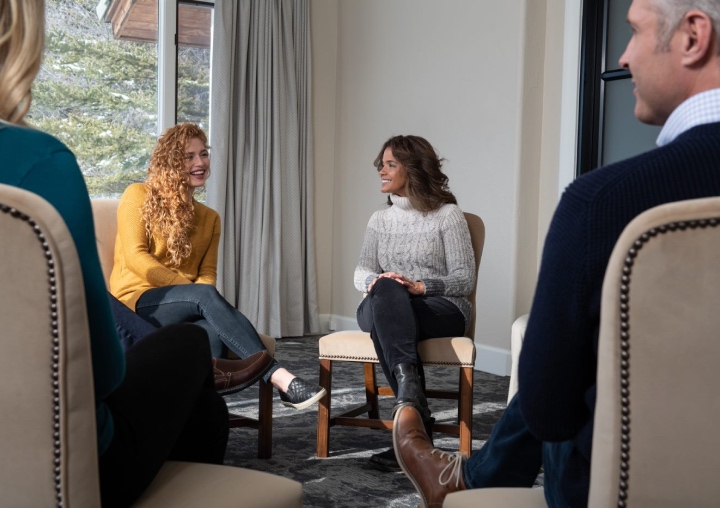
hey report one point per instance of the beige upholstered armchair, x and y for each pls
(105, 217)
(517, 334)
(48, 451)
(654, 442)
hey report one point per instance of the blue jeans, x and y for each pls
(512, 457)
(131, 328)
(397, 321)
(202, 305)
(555, 459)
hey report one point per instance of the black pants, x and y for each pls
(397, 321)
(166, 409)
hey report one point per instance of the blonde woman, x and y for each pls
(166, 257)
(158, 401)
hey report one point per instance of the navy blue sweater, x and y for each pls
(559, 355)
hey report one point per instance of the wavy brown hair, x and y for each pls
(22, 36)
(427, 186)
(168, 209)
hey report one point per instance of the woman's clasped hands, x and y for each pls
(414, 287)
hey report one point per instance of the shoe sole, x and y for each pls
(306, 403)
(384, 464)
(423, 500)
(246, 384)
(384, 468)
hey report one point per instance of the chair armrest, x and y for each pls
(517, 334)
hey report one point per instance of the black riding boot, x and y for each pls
(410, 391)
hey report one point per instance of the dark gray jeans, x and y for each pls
(397, 321)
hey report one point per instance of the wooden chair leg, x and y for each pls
(323, 427)
(265, 420)
(371, 390)
(465, 408)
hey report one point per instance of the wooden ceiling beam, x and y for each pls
(137, 20)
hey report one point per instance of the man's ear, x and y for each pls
(698, 38)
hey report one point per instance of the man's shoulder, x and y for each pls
(590, 186)
(701, 145)
(707, 133)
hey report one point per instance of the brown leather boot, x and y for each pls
(434, 473)
(234, 375)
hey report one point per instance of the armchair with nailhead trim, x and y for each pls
(48, 449)
(657, 401)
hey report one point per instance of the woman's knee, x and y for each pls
(387, 285)
(206, 292)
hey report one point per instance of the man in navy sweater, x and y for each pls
(674, 58)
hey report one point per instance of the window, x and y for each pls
(193, 64)
(97, 90)
(608, 130)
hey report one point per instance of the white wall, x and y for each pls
(471, 77)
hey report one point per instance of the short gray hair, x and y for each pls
(671, 12)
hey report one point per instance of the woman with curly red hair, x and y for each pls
(166, 257)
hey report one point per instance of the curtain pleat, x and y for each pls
(261, 159)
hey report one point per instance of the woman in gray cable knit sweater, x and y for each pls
(417, 268)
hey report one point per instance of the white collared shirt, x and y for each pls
(699, 109)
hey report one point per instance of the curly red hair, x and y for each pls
(168, 209)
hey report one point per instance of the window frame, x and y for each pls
(168, 58)
(593, 76)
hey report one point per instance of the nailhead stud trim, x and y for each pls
(625, 282)
(54, 350)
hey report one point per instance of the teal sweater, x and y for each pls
(41, 164)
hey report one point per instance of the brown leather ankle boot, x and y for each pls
(234, 375)
(433, 472)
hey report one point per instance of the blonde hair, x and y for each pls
(168, 209)
(22, 36)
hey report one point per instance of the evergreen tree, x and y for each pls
(99, 95)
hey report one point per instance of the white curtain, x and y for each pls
(261, 153)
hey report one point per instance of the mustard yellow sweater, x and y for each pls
(141, 264)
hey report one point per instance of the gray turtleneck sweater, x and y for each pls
(431, 247)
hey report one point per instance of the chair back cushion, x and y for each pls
(48, 450)
(105, 218)
(659, 362)
(477, 238)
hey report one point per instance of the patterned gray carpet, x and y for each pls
(345, 479)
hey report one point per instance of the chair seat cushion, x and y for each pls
(268, 342)
(357, 346)
(497, 497)
(189, 485)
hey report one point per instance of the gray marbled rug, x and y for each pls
(345, 479)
